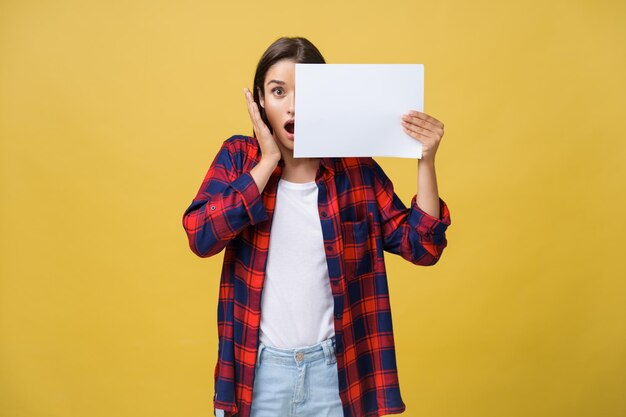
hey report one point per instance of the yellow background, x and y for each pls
(112, 111)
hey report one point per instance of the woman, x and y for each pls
(304, 243)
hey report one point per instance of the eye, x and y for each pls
(277, 88)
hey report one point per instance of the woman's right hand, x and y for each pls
(269, 148)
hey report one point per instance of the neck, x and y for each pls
(299, 169)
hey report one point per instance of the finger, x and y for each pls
(427, 143)
(414, 135)
(251, 110)
(424, 126)
(426, 117)
(247, 95)
(259, 125)
(254, 110)
(422, 133)
(418, 121)
(258, 119)
(257, 114)
(418, 128)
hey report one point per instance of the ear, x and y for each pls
(261, 99)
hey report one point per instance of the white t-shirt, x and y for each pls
(296, 303)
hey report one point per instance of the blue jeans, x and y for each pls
(298, 382)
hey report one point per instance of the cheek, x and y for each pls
(272, 113)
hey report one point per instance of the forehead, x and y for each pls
(283, 70)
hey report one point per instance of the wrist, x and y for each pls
(269, 161)
(427, 163)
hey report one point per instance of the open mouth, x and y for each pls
(290, 126)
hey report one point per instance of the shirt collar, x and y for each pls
(328, 163)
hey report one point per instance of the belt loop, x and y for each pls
(258, 356)
(329, 351)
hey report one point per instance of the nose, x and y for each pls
(292, 104)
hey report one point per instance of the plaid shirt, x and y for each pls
(360, 217)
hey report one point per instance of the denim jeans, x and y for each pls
(298, 382)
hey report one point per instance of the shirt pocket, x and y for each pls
(358, 254)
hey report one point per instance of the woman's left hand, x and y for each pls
(425, 129)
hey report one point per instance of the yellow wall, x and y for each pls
(111, 112)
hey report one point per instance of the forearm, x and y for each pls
(427, 193)
(262, 172)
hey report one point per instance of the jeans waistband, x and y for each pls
(297, 356)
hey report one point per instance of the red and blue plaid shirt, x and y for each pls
(361, 216)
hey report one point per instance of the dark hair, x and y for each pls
(296, 49)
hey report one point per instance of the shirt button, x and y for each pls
(323, 214)
(329, 247)
(212, 207)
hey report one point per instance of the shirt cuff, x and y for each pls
(427, 224)
(252, 200)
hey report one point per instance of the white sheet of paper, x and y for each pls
(355, 109)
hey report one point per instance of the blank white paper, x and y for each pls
(356, 110)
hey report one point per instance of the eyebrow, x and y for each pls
(275, 81)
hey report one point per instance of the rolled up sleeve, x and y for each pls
(227, 202)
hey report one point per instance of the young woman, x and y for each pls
(304, 318)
